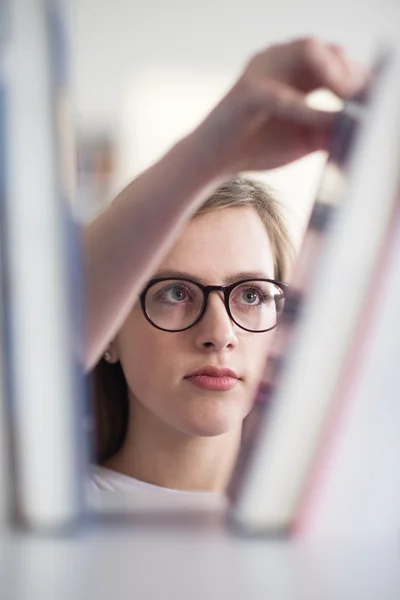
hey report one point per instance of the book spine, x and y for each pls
(351, 480)
(5, 482)
(46, 388)
(322, 220)
(348, 265)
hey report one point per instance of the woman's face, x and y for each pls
(216, 248)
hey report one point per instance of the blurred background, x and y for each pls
(145, 73)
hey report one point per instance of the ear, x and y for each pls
(111, 354)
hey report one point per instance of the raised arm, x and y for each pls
(123, 245)
(262, 123)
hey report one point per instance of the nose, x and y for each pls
(215, 331)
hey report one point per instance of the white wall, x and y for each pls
(112, 38)
(148, 71)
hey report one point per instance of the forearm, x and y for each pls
(125, 243)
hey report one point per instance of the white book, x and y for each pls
(356, 491)
(288, 438)
(47, 399)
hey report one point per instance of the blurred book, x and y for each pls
(5, 482)
(285, 430)
(354, 485)
(43, 274)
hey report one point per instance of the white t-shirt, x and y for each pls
(107, 480)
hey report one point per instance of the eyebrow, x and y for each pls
(239, 276)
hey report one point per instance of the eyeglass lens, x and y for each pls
(176, 304)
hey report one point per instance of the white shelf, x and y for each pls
(194, 560)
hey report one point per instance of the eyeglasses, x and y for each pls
(176, 304)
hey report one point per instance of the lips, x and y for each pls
(214, 379)
(214, 372)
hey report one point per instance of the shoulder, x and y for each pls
(106, 479)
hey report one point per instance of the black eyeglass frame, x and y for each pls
(207, 289)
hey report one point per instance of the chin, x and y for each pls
(207, 414)
(206, 431)
(211, 423)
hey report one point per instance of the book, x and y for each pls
(46, 390)
(296, 394)
(5, 482)
(321, 220)
(354, 488)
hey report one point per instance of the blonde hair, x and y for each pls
(243, 191)
(111, 405)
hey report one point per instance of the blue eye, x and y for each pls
(173, 294)
(251, 296)
(254, 295)
(177, 293)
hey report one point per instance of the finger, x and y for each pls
(355, 71)
(285, 102)
(325, 65)
(319, 139)
(310, 64)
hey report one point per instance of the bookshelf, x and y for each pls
(353, 551)
(198, 560)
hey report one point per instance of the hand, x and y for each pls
(264, 121)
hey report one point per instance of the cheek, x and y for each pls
(257, 352)
(144, 352)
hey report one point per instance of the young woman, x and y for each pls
(182, 426)
(176, 383)
(262, 123)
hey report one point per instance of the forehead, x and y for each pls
(217, 244)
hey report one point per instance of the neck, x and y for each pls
(159, 454)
